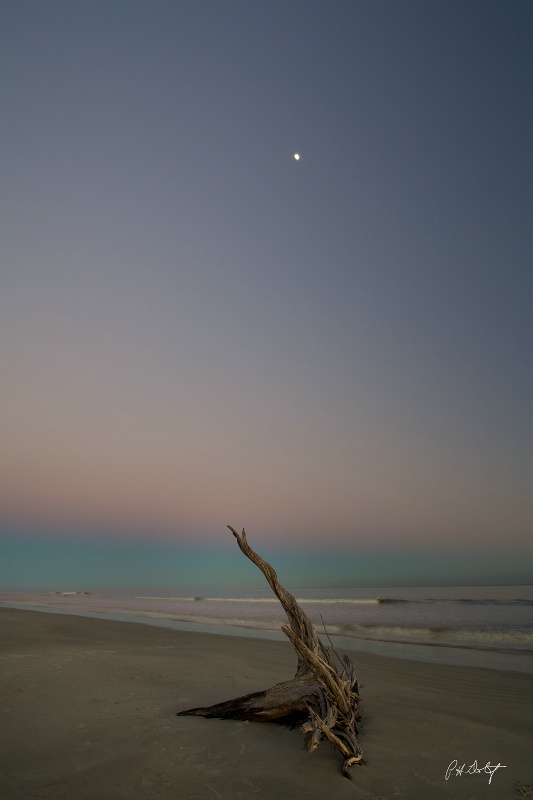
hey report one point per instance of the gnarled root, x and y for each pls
(329, 695)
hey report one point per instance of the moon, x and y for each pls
(297, 156)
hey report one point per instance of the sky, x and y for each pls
(197, 329)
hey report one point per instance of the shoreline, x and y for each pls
(89, 710)
(432, 653)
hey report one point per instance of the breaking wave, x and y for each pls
(455, 620)
(339, 600)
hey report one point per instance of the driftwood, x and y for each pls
(327, 695)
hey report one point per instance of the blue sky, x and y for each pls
(334, 353)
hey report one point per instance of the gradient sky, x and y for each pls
(335, 352)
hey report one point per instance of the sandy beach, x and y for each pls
(88, 710)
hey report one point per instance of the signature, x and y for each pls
(473, 769)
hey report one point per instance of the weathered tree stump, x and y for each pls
(326, 694)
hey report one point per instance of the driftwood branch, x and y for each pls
(327, 695)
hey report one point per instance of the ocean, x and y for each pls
(488, 626)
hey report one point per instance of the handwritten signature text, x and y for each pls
(455, 770)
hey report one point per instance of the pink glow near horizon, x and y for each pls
(198, 331)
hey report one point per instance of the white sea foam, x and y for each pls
(478, 618)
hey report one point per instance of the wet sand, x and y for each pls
(88, 712)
